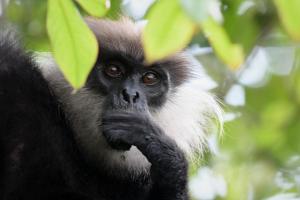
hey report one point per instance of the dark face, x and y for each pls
(120, 74)
(128, 83)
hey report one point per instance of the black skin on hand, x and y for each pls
(168, 164)
(124, 129)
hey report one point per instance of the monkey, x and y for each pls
(126, 135)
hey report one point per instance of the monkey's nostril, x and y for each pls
(130, 96)
(136, 96)
(126, 96)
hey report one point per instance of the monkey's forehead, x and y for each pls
(124, 37)
(117, 36)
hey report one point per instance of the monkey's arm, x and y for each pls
(168, 164)
(36, 145)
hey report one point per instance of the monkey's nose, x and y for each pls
(131, 96)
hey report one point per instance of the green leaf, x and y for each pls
(290, 16)
(168, 30)
(196, 9)
(97, 8)
(231, 54)
(250, 19)
(115, 10)
(74, 46)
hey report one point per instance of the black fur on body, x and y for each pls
(46, 148)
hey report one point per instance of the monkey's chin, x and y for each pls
(120, 146)
(117, 145)
(102, 155)
(127, 161)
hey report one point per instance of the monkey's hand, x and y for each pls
(168, 163)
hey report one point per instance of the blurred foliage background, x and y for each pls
(259, 155)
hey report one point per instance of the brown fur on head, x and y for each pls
(124, 36)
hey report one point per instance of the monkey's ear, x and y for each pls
(10, 40)
(9, 35)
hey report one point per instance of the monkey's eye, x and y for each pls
(150, 78)
(113, 71)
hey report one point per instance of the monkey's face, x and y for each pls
(129, 86)
(126, 83)
(121, 74)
